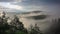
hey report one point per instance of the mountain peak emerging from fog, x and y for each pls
(31, 12)
(36, 11)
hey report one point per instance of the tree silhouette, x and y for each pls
(16, 23)
(35, 30)
(16, 26)
(3, 24)
(55, 27)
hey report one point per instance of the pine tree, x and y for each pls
(3, 24)
(17, 26)
(35, 30)
(16, 23)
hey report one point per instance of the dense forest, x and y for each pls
(17, 27)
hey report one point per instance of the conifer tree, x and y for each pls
(35, 30)
(3, 24)
(16, 23)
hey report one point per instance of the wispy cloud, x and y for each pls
(11, 6)
(10, 0)
(29, 5)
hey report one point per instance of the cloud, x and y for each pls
(10, 0)
(4, 9)
(8, 9)
(11, 6)
(17, 7)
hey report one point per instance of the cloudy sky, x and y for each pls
(29, 5)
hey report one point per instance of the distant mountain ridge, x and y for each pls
(31, 12)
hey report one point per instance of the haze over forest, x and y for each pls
(30, 12)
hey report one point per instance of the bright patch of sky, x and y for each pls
(8, 5)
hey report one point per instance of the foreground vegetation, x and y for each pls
(15, 26)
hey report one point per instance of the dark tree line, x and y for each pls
(15, 26)
(55, 27)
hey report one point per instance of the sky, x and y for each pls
(29, 5)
